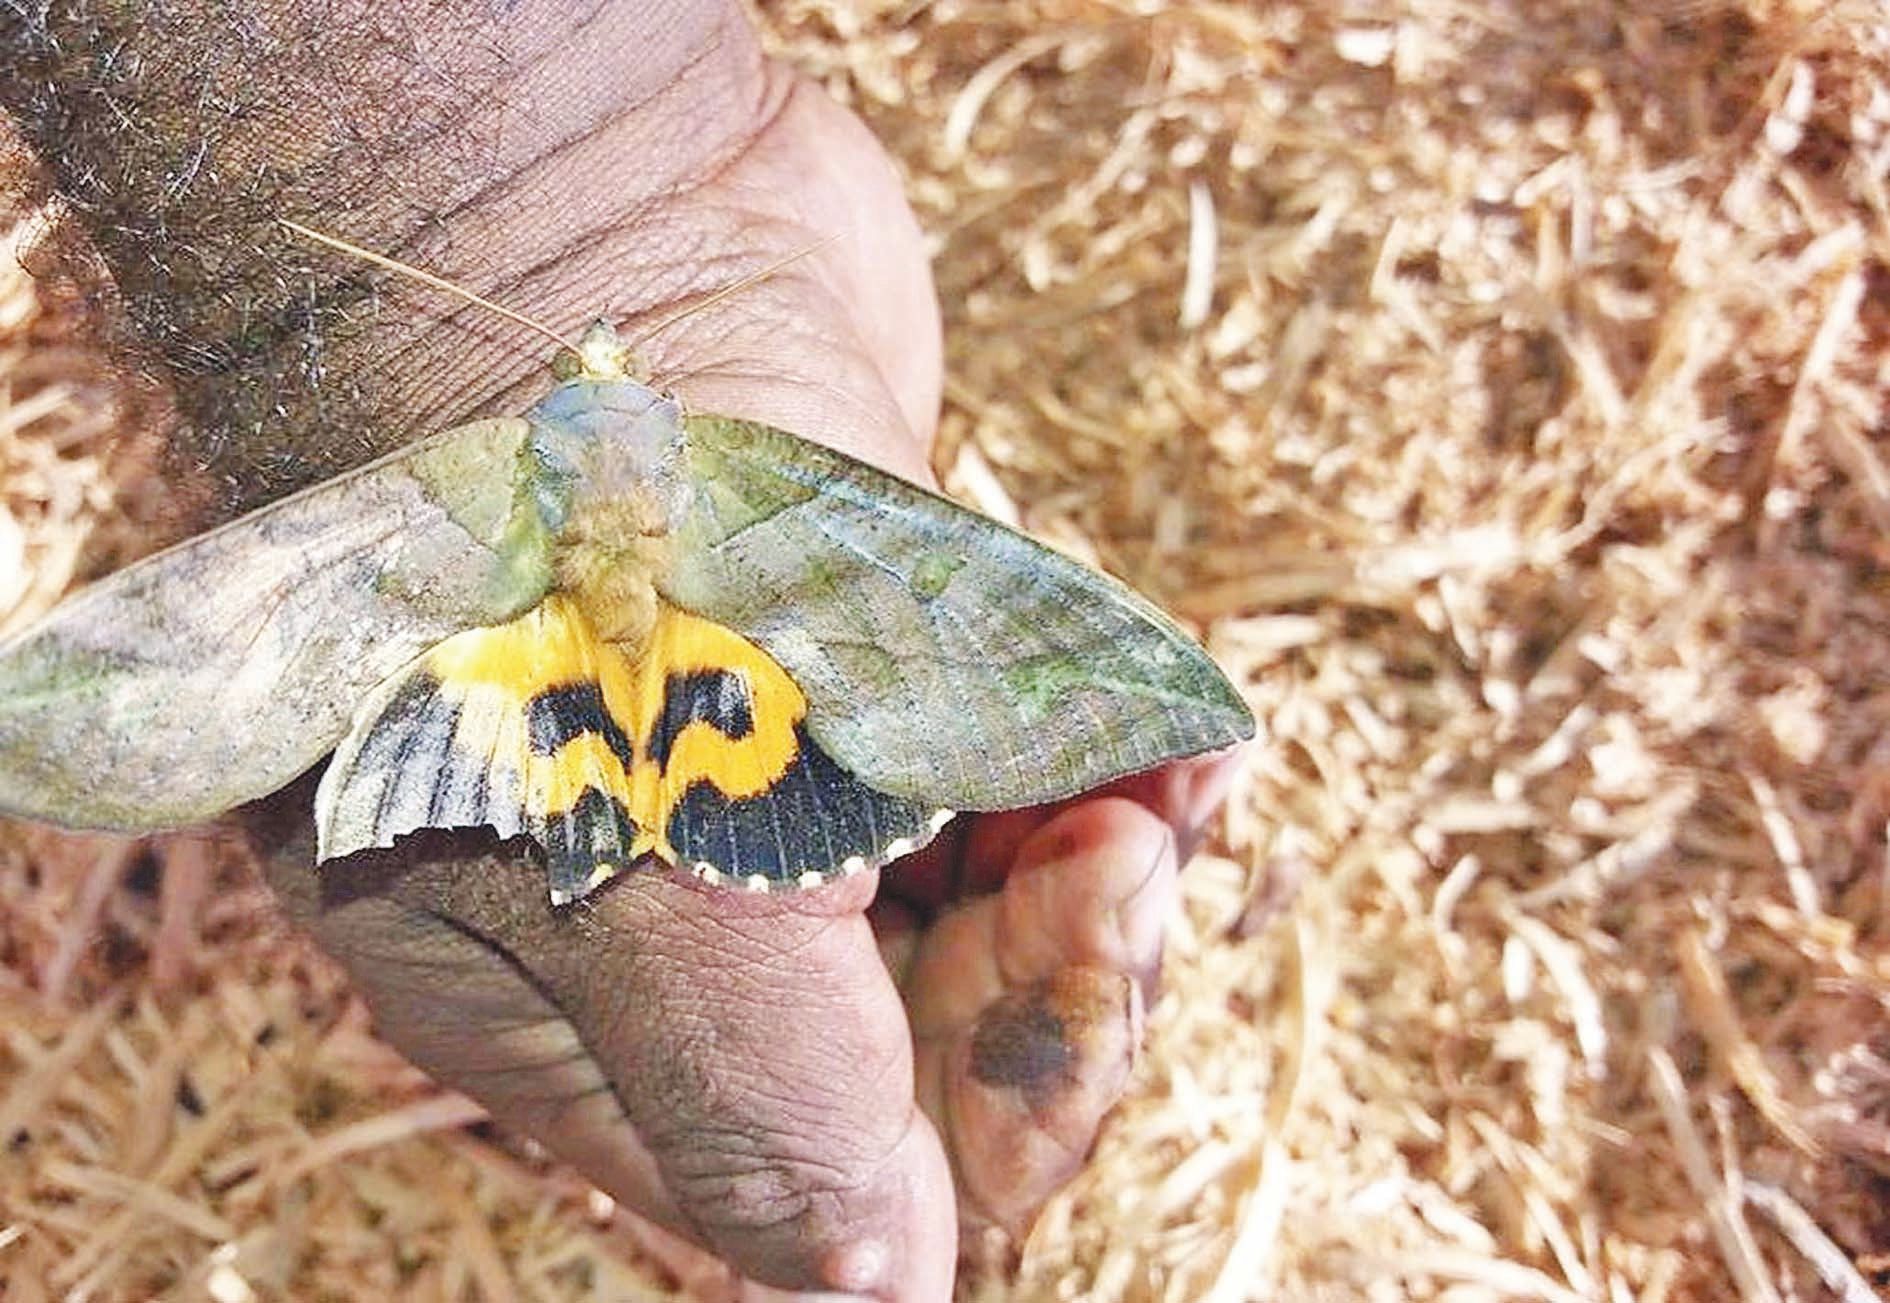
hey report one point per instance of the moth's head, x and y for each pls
(600, 355)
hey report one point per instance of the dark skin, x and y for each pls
(746, 1071)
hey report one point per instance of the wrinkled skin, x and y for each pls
(746, 1071)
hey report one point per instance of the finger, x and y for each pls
(1187, 793)
(842, 347)
(884, 279)
(1095, 885)
(769, 1072)
(460, 1004)
(1024, 1093)
(975, 855)
(1027, 1006)
(735, 1067)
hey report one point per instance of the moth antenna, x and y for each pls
(753, 278)
(427, 278)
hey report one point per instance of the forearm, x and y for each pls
(526, 157)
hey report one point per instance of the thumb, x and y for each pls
(737, 1068)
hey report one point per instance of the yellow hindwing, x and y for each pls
(702, 704)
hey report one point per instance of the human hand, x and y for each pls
(740, 1069)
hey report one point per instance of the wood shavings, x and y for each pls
(189, 863)
(1738, 1056)
(1829, 1261)
(1498, 1278)
(439, 1112)
(1197, 291)
(1724, 1216)
(1563, 962)
(109, 858)
(1257, 1227)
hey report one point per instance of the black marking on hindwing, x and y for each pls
(569, 711)
(812, 819)
(719, 698)
(595, 830)
(412, 745)
(428, 779)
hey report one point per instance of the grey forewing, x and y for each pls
(944, 658)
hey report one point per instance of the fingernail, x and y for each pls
(858, 1268)
(1208, 786)
(752, 1293)
(858, 1273)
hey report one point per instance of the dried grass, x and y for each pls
(1498, 387)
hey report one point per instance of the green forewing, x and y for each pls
(944, 657)
(215, 672)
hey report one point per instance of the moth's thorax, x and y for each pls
(602, 436)
(610, 455)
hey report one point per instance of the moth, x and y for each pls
(631, 633)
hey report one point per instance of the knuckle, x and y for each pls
(788, 1165)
